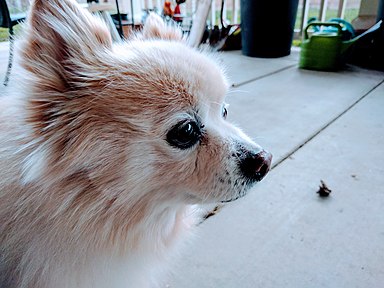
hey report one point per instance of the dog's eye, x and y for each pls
(225, 112)
(184, 135)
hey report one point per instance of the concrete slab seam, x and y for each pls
(263, 76)
(311, 137)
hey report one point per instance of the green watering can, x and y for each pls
(325, 50)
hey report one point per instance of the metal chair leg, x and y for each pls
(10, 58)
(119, 19)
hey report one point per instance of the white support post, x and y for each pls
(150, 5)
(213, 12)
(193, 7)
(145, 4)
(199, 23)
(323, 10)
(341, 9)
(236, 9)
(304, 15)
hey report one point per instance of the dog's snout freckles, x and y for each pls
(255, 165)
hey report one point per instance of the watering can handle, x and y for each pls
(337, 25)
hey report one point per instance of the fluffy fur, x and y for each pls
(92, 194)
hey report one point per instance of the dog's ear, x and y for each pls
(155, 28)
(58, 34)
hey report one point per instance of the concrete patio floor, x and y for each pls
(319, 126)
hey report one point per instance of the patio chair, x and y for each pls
(8, 20)
(120, 20)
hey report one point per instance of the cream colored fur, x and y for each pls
(91, 193)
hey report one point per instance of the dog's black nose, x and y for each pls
(255, 166)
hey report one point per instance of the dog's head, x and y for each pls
(145, 118)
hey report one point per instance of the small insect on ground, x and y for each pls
(323, 191)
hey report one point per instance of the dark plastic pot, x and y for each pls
(267, 27)
(380, 11)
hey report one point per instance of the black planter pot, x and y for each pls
(380, 11)
(267, 27)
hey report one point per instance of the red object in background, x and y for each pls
(177, 12)
(167, 10)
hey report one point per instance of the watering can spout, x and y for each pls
(347, 44)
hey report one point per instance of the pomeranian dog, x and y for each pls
(106, 149)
